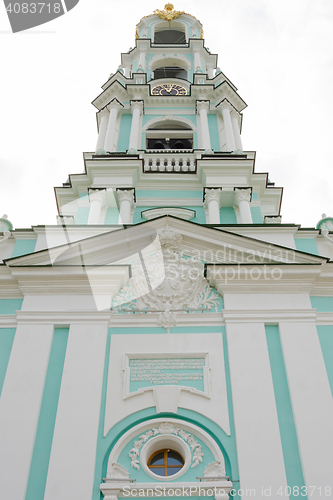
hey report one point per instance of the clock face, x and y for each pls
(169, 89)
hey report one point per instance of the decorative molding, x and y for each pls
(117, 471)
(214, 469)
(97, 194)
(125, 195)
(181, 213)
(169, 13)
(225, 104)
(169, 238)
(213, 195)
(114, 104)
(137, 105)
(165, 429)
(65, 220)
(272, 219)
(242, 195)
(203, 104)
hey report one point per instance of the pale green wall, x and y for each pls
(124, 133)
(256, 215)
(23, 247)
(213, 131)
(227, 215)
(112, 216)
(322, 304)
(10, 306)
(82, 215)
(308, 245)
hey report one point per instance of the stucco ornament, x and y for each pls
(167, 283)
(168, 13)
(117, 471)
(165, 429)
(215, 469)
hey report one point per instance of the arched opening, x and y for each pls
(170, 134)
(169, 72)
(169, 33)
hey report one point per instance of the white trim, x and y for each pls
(168, 117)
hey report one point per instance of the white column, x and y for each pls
(73, 455)
(210, 71)
(236, 131)
(127, 71)
(103, 125)
(142, 60)
(20, 406)
(213, 204)
(137, 109)
(203, 110)
(312, 403)
(97, 200)
(197, 61)
(242, 201)
(113, 107)
(229, 133)
(126, 205)
(257, 430)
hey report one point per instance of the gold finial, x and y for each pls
(168, 13)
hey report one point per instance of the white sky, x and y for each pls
(279, 53)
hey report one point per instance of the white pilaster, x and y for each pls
(226, 109)
(197, 61)
(20, 406)
(103, 125)
(311, 400)
(127, 71)
(137, 109)
(242, 201)
(258, 438)
(203, 110)
(126, 205)
(142, 60)
(73, 454)
(236, 131)
(97, 200)
(213, 204)
(113, 107)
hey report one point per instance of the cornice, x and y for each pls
(63, 317)
(271, 315)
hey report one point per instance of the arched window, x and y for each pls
(169, 135)
(169, 72)
(165, 462)
(169, 33)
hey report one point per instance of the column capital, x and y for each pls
(213, 194)
(125, 195)
(114, 104)
(97, 194)
(137, 105)
(242, 194)
(203, 105)
(225, 104)
(103, 112)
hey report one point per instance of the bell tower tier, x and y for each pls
(169, 129)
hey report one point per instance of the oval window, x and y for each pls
(165, 462)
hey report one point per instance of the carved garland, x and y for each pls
(164, 429)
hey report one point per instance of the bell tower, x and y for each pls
(169, 138)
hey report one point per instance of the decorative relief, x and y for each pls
(213, 195)
(215, 469)
(203, 105)
(166, 428)
(168, 13)
(168, 282)
(242, 195)
(97, 194)
(125, 195)
(117, 471)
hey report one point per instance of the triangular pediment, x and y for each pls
(210, 245)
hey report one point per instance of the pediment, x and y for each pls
(209, 245)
